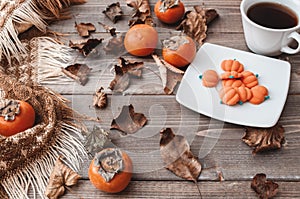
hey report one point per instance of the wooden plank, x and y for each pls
(150, 83)
(222, 152)
(92, 12)
(179, 189)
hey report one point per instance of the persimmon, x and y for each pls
(168, 11)
(111, 170)
(179, 51)
(141, 40)
(15, 116)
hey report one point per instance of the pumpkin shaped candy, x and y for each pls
(229, 96)
(209, 78)
(259, 94)
(235, 83)
(232, 65)
(245, 94)
(249, 79)
(231, 75)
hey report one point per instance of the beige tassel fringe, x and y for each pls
(15, 13)
(48, 58)
(36, 174)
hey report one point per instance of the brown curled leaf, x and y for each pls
(142, 12)
(170, 75)
(115, 45)
(123, 71)
(85, 46)
(176, 154)
(121, 80)
(96, 140)
(264, 188)
(264, 139)
(129, 121)
(109, 29)
(84, 29)
(78, 72)
(131, 67)
(195, 23)
(61, 177)
(114, 12)
(100, 99)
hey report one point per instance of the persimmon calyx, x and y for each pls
(175, 42)
(109, 162)
(167, 4)
(9, 109)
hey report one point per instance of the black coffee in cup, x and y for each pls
(272, 15)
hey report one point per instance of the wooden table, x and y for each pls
(228, 166)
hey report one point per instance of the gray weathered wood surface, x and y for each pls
(229, 158)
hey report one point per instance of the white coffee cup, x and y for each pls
(268, 41)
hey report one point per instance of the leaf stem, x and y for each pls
(198, 188)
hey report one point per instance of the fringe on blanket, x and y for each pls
(19, 15)
(48, 57)
(36, 174)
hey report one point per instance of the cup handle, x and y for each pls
(287, 49)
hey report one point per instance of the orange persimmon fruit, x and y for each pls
(114, 162)
(23, 120)
(141, 40)
(179, 51)
(169, 15)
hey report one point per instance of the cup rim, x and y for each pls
(244, 15)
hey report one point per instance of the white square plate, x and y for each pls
(274, 74)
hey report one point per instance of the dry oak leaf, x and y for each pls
(142, 12)
(263, 139)
(121, 80)
(100, 99)
(109, 29)
(122, 72)
(85, 46)
(195, 23)
(114, 12)
(96, 140)
(129, 121)
(264, 188)
(131, 67)
(170, 75)
(61, 177)
(115, 45)
(84, 29)
(176, 154)
(78, 72)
